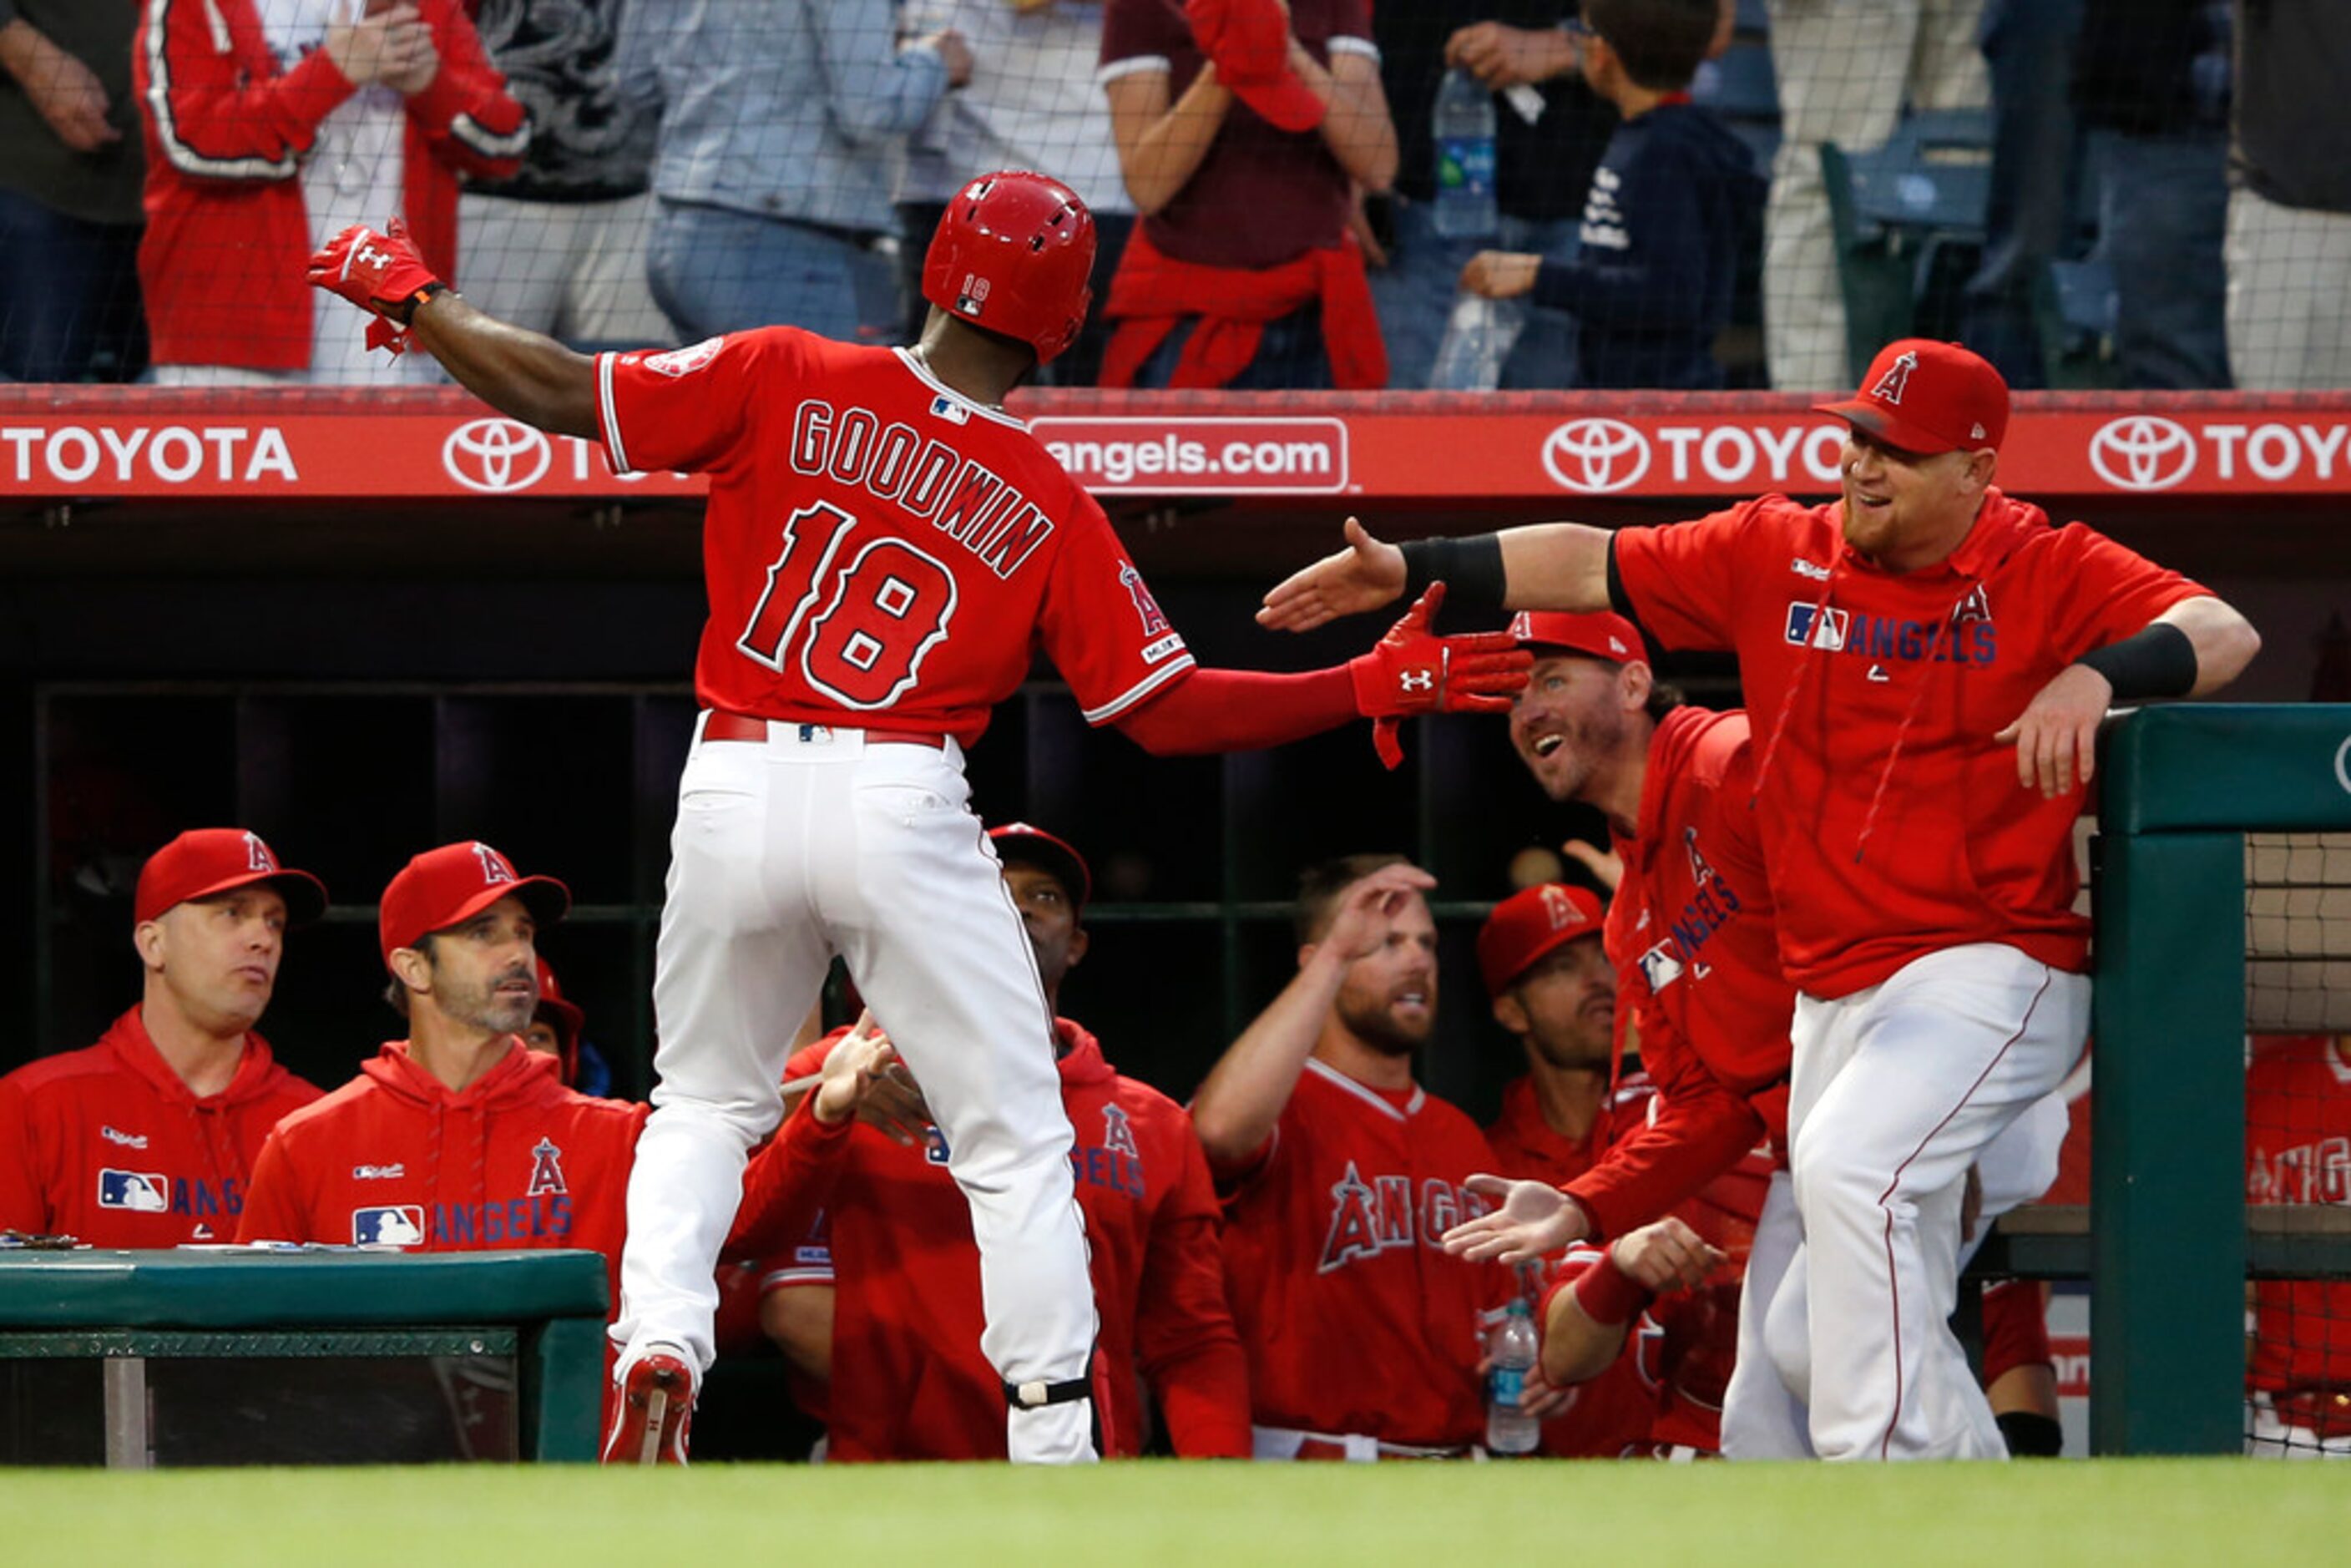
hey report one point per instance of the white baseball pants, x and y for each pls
(786, 851)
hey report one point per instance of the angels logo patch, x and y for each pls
(675, 363)
(546, 1169)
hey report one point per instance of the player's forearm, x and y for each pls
(520, 373)
(1555, 566)
(1575, 1349)
(1237, 1107)
(1212, 711)
(2224, 640)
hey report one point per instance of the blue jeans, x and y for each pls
(71, 310)
(2163, 209)
(1414, 295)
(2029, 47)
(715, 270)
(1289, 358)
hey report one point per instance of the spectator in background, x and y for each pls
(70, 178)
(1243, 129)
(557, 1029)
(783, 122)
(1673, 205)
(1549, 128)
(1032, 103)
(271, 129)
(145, 1138)
(2289, 244)
(559, 247)
(875, 1294)
(458, 1137)
(2028, 46)
(2151, 87)
(1846, 70)
(2298, 1151)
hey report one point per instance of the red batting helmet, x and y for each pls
(1012, 254)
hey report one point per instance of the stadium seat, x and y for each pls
(1903, 214)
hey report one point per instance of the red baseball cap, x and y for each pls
(1529, 923)
(1035, 846)
(1602, 636)
(1249, 42)
(1927, 397)
(443, 887)
(205, 861)
(566, 1017)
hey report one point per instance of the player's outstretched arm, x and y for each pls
(1532, 1220)
(1243, 1096)
(1544, 566)
(520, 373)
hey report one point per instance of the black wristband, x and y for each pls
(2159, 662)
(408, 306)
(2030, 1435)
(1470, 569)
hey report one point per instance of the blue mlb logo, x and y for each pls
(1831, 633)
(142, 1192)
(397, 1225)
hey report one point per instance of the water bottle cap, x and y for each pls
(1520, 1309)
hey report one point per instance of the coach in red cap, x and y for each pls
(460, 1137)
(144, 1139)
(1928, 661)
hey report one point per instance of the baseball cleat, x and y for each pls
(656, 1407)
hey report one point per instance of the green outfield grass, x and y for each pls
(2209, 1513)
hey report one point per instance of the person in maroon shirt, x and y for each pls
(146, 1138)
(1243, 131)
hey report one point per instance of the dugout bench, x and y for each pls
(238, 1357)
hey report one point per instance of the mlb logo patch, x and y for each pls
(1659, 967)
(142, 1191)
(949, 409)
(395, 1225)
(1829, 633)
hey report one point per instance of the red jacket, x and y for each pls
(893, 1238)
(397, 1158)
(227, 231)
(1151, 292)
(108, 1144)
(1892, 823)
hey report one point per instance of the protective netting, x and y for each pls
(2298, 1135)
(1627, 193)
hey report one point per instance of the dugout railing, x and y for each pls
(2181, 967)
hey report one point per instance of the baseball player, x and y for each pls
(884, 544)
(2298, 1150)
(1363, 1336)
(145, 1138)
(458, 1138)
(1930, 661)
(879, 1298)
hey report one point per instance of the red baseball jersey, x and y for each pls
(1892, 823)
(107, 1144)
(1692, 936)
(879, 551)
(894, 1238)
(2298, 1150)
(395, 1157)
(1355, 1319)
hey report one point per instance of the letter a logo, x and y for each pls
(256, 854)
(1896, 380)
(546, 1169)
(495, 868)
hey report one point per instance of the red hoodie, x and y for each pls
(396, 1156)
(894, 1240)
(1892, 825)
(107, 1144)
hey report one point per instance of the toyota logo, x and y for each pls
(1596, 455)
(2143, 452)
(495, 455)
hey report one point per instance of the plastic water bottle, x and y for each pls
(1512, 1352)
(1463, 130)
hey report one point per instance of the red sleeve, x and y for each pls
(272, 1200)
(1184, 1335)
(1240, 710)
(24, 1201)
(690, 409)
(1698, 1128)
(1101, 626)
(1684, 579)
(790, 1182)
(213, 118)
(2015, 1327)
(467, 117)
(2109, 592)
(1140, 31)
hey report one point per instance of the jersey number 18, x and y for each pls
(885, 604)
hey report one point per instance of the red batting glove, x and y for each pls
(1413, 671)
(379, 272)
